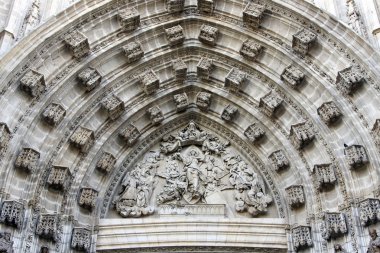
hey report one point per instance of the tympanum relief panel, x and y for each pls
(193, 172)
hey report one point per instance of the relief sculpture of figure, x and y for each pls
(374, 243)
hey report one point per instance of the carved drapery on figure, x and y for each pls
(192, 167)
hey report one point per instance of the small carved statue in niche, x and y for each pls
(374, 243)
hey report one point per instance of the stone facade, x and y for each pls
(174, 6)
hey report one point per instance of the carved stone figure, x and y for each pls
(279, 160)
(83, 139)
(47, 226)
(59, 178)
(303, 40)
(138, 185)
(270, 103)
(27, 160)
(129, 19)
(334, 225)
(203, 100)
(208, 35)
(87, 198)
(181, 101)
(12, 213)
(235, 79)
(349, 80)
(229, 113)
(374, 243)
(6, 243)
(77, 43)
(130, 134)
(155, 115)
(44, 249)
(206, 6)
(204, 68)
(324, 176)
(301, 238)
(253, 14)
(329, 112)
(149, 82)
(54, 114)
(106, 163)
(251, 49)
(174, 6)
(356, 156)
(292, 76)
(81, 239)
(5, 135)
(180, 69)
(254, 132)
(175, 35)
(295, 196)
(33, 83)
(301, 135)
(114, 106)
(133, 51)
(369, 211)
(339, 249)
(90, 78)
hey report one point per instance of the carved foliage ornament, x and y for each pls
(83, 138)
(87, 198)
(203, 100)
(33, 83)
(180, 68)
(155, 115)
(333, 225)
(208, 35)
(349, 80)
(356, 156)
(114, 106)
(301, 135)
(295, 196)
(229, 113)
(6, 243)
(329, 112)
(254, 132)
(251, 49)
(206, 6)
(270, 103)
(369, 211)
(253, 14)
(324, 175)
(77, 43)
(174, 6)
(292, 76)
(150, 82)
(129, 19)
(235, 79)
(303, 40)
(181, 101)
(130, 134)
(133, 51)
(47, 226)
(175, 35)
(204, 68)
(59, 178)
(301, 237)
(106, 162)
(53, 114)
(81, 239)
(90, 78)
(12, 213)
(27, 160)
(279, 160)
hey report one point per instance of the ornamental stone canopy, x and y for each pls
(190, 126)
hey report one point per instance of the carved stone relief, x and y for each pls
(81, 239)
(150, 82)
(229, 113)
(90, 78)
(369, 211)
(295, 196)
(6, 243)
(12, 213)
(181, 101)
(133, 51)
(301, 135)
(59, 178)
(253, 15)
(206, 6)
(175, 35)
(301, 236)
(114, 106)
(292, 76)
(5, 135)
(279, 160)
(303, 40)
(106, 163)
(270, 103)
(251, 49)
(333, 225)
(83, 139)
(129, 19)
(54, 114)
(87, 198)
(174, 6)
(349, 80)
(192, 167)
(374, 243)
(356, 156)
(324, 176)
(47, 226)
(180, 69)
(44, 249)
(155, 115)
(254, 132)
(130, 134)
(203, 100)
(339, 249)
(204, 68)
(208, 35)
(33, 83)
(329, 112)
(78, 44)
(235, 79)
(27, 160)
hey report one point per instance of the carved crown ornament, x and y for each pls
(192, 170)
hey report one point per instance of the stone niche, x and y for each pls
(150, 82)
(292, 76)
(303, 40)
(203, 100)
(180, 69)
(206, 6)
(78, 44)
(106, 163)
(253, 15)
(204, 68)
(175, 35)
(81, 239)
(270, 103)
(301, 237)
(5, 135)
(54, 114)
(133, 52)
(208, 35)
(235, 79)
(12, 213)
(349, 80)
(369, 211)
(59, 178)
(295, 196)
(33, 83)
(279, 160)
(329, 113)
(90, 78)
(251, 49)
(129, 19)
(334, 225)
(181, 101)
(174, 6)
(356, 156)
(27, 160)
(130, 134)
(47, 227)
(82, 139)
(114, 106)
(301, 135)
